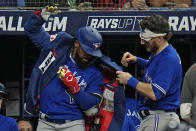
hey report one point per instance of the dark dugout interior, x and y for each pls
(18, 53)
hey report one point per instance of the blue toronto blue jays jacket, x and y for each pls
(52, 56)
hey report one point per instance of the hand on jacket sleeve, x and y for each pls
(68, 79)
(49, 10)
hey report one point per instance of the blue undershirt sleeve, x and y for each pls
(86, 100)
(141, 62)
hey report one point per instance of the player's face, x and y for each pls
(83, 59)
(83, 55)
(24, 126)
(150, 44)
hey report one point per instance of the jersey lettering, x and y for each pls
(71, 99)
(134, 114)
(148, 78)
(83, 84)
(47, 62)
(77, 77)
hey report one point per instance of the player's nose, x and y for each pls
(142, 42)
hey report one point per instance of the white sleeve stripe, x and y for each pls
(96, 94)
(159, 88)
(25, 109)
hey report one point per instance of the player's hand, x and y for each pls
(68, 79)
(123, 77)
(49, 10)
(127, 59)
(138, 4)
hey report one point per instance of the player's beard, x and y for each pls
(81, 63)
(151, 47)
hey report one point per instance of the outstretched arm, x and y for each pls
(35, 31)
(128, 58)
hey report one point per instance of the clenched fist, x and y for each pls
(123, 77)
(128, 58)
(68, 79)
(49, 10)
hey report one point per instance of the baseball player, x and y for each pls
(160, 88)
(6, 123)
(188, 97)
(65, 83)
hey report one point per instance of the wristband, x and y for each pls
(133, 82)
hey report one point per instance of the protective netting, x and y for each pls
(98, 4)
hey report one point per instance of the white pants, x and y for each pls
(158, 121)
(77, 125)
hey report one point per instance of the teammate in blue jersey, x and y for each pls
(65, 83)
(160, 88)
(6, 123)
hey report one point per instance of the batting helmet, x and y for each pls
(90, 40)
(3, 91)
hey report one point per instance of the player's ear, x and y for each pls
(159, 38)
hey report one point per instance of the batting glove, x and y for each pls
(68, 79)
(49, 10)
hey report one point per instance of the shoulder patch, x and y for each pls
(52, 37)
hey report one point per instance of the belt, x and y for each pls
(144, 113)
(45, 117)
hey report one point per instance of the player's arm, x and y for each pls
(129, 58)
(33, 28)
(187, 94)
(88, 102)
(144, 88)
(157, 86)
(84, 99)
(141, 62)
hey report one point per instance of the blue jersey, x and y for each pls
(164, 72)
(8, 124)
(132, 117)
(58, 103)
